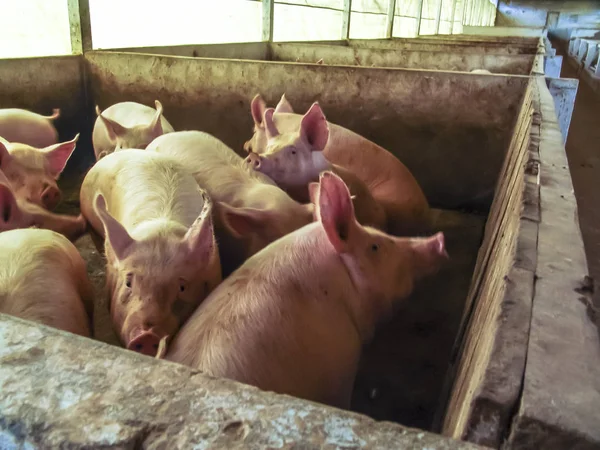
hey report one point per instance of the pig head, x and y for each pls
(33, 172)
(156, 282)
(258, 107)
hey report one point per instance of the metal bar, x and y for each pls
(80, 25)
(390, 19)
(419, 13)
(268, 8)
(346, 19)
(438, 17)
(452, 17)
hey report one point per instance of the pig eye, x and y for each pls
(293, 152)
(375, 247)
(128, 280)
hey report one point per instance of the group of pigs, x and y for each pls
(271, 270)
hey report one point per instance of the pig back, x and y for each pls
(26, 127)
(43, 278)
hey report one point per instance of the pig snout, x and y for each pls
(146, 343)
(50, 197)
(254, 161)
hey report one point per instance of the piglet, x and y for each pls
(43, 278)
(252, 211)
(19, 213)
(33, 172)
(293, 318)
(128, 125)
(293, 160)
(388, 180)
(161, 254)
(26, 127)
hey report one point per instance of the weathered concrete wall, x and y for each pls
(349, 56)
(560, 395)
(420, 116)
(491, 348)
(563, 91)
(246, 50)
(54, 395)
(533, 13)
(553, 66)
(41, 84)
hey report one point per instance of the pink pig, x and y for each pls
(294, 317)
(128, 125)
(33, 172)
(161, 253)
(293, 160)
(252, 211)
(389, 181)
(19, 213)
(43, 278)
(26, 127)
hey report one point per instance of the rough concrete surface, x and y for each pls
(561, 388)
(110, 398)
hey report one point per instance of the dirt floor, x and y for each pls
(583, 152)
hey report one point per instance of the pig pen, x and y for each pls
(433, 54)
(474, 354)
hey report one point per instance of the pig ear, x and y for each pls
(113, 128)
(242, 222)
(314, 129)
(116, 234)
(9, 209)
(335, 210)
(4, 155)
(269, 124)
(156, 125)
(200, 238)
(284, 106)
(429, 253)
(257, 107)
(57, 155)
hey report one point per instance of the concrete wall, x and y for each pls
(532, 13)
(420, 116)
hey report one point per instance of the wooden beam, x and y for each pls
(268, 8)
(391, 12)
(419, 13)
(438, 17)
(453, 15)
(80, 25)
(346, 19)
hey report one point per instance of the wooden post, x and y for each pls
(391, 12)
(419, 13)
(346, 19)
(268, 8)
(438, 17)
(454, 3)
(80, 24)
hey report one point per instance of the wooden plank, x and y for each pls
(419, 13)
(453, 15)
(268, 8)
(438, 16)
(81, 29)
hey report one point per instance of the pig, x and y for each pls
(43, 278)
(293, 318)
(252, 211)
(389, 181)
(154, 225)
(18, 213)
(26, 127)
(294, 160)
(33, 172)
(128, 125)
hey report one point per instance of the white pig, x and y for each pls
(389, 181)
(294, 317)
(252, 210)
(33, 172)
(26, 127)
(127, 125)
(44, 279)
(162, 257)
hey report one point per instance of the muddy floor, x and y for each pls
(403, 369)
